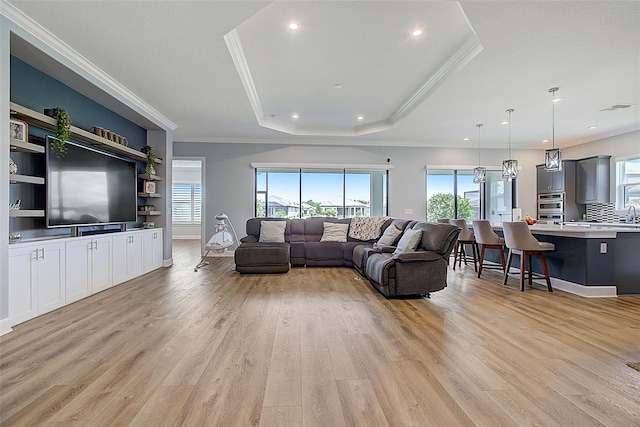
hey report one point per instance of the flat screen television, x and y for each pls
(89, 187)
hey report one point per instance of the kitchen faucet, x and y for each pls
(634, 213)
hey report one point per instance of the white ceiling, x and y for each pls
(427, 91)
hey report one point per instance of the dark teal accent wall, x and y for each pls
(36, 90)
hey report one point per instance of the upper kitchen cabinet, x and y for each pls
(593, 180)
(550, 182)
(556, 181)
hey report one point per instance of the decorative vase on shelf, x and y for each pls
(13, 168)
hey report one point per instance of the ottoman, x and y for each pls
(262, 258)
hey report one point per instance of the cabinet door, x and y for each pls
(157, 249)
(152, 250)
(101, 264)
(586, 176)
(51, 272)
(78, 270)
(22, 297)
(134, 255)
(120, 259)
(543, 179)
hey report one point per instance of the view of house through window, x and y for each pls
(451, 194)
(340, 193)
(628, 183)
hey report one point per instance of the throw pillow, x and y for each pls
(334, 232)
(272, 231)
(409, 241)
(389, 236)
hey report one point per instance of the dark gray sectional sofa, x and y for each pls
(417, 272)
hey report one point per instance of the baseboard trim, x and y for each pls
(584, 291)
(5, 326)
(580, 290)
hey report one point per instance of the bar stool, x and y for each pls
(443, 221)
(486, 238)
(520, 241)
(466, 237)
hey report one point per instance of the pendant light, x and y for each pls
(509, 167)
(479, 173)
(553, 156)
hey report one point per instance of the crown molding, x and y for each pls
(457, 60)
(74, 61)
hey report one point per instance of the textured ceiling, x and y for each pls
(174, 56)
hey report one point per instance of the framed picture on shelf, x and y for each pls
(149, 187)
(18, 130)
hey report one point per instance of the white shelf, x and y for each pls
(25, 179)
(25, 147)
(26, 213)
(49, 123)
(149, 213)
(150, 195)
(149, 177)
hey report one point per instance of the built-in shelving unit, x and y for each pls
(25, 179)
(150, 195)
(26, 213)
(149, 177)
(25, 147)
(149, 213)
(40, 120)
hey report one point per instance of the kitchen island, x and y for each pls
(591, 260)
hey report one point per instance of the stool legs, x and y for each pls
(481, 260)
(526, 268)
(460, 254)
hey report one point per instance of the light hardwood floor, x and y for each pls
(320, 347)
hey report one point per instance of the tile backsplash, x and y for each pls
(605, 212)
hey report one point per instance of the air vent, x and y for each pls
(617, 107)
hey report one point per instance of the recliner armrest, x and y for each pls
(416, 256)
(384, 248)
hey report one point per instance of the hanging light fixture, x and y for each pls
(553, 156)
(479, 173)
(509, 167)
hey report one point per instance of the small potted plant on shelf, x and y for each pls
(151, 160)
(63, 131)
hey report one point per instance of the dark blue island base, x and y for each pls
(589, 266)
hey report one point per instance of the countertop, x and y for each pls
(582, 230)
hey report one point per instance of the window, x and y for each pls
(186, 203)
(628, 183)
(451, 193)
(341, 193)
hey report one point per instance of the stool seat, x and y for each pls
(466, 237)
(486, 238)
(520, 241)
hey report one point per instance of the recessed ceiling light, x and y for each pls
(416, 32)
(558, 99)
(593, 127)
(293, 26)
(360, 117)
(337, 86)
(465, 139)
(294, 116)
(545, 140)
(505, 123)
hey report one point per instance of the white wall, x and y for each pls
(229, 178)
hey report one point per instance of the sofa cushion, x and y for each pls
(272, 231)
(409, 241)
(334, 232)
(366, 227)
(323, 251)
(390, 236)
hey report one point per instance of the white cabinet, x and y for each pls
(36, 280)
(46, 276)
(89, 267)
(127, 257)
(152, 250)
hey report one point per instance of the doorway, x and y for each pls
(187, 190)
